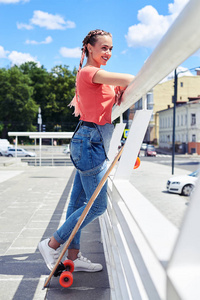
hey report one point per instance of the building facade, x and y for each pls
(161, 98)
(187, 127)
(188, 86)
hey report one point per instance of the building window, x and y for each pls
(181, 84)
(150, 101)
(185, 119)
(193, 119)
(194, 138)
(181, 120)
(138, 104)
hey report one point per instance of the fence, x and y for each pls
(147, 257)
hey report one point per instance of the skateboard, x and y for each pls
(65, 269)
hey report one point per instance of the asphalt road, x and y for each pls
(150, 180)
(186, 162)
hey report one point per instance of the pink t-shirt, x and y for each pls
(95, 100)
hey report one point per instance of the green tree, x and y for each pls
(62, 86)
(53, 91)
(25, 88)
(39, 80)
(17, 107)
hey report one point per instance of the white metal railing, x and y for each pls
(136, 248)
(147, 257)
(41, 135)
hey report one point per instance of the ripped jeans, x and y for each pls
(89, 157)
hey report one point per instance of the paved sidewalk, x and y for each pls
(32, 205)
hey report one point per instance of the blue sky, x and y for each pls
(50, 32)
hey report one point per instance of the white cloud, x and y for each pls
(48, 40)
(70, 24)
(124, 51)
(18, 58)
(70, 52)
(46, 20)
(3, 53)
(24, 26)
(12, 1)
(176, 7)
(152, 26)
(49, 21)
(181, 71)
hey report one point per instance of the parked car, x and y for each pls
(183, 184)
(143, 146)
(20, 152)
(4, 151)
(150, 151)
(66, 150)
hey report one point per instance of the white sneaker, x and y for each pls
(49, 254)
(82, 264)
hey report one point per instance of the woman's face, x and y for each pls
(101, 52)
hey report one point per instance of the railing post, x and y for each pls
(116, 140)
(184, 266)
(133, 144)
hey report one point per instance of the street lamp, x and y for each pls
(39, 119)
(40, 129)
(174, 118)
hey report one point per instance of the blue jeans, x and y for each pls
(89, 157)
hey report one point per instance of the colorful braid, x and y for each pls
(82, 57)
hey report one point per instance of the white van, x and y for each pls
(4, 145)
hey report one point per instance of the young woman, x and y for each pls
(96, 92)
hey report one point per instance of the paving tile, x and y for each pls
(32, 206)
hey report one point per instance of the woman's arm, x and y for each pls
(110, 78)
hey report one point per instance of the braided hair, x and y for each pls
(91, 38)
